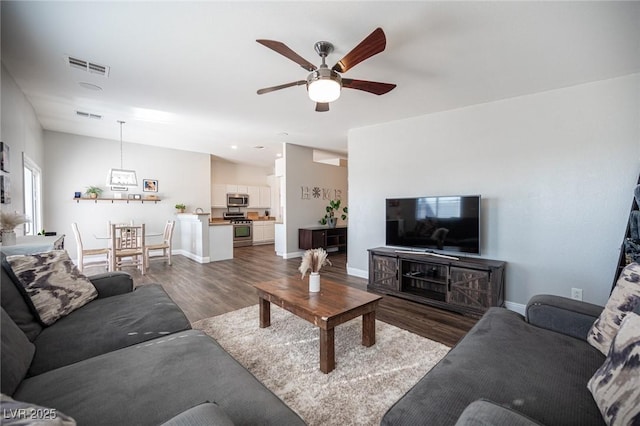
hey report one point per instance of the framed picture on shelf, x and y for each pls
(149, 185)
(5, 190)
(4, 157)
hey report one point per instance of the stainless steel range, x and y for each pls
(242, 228)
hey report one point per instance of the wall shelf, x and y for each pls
(77, 200)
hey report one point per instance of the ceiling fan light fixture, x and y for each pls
(324, 85)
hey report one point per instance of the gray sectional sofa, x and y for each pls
(127, 357)
(512, 370)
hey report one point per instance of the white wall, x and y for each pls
(301, 171)
(223, 171)
(74, 162)
(556, 171)
(22, 132)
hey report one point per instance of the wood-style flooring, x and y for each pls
(206, 290)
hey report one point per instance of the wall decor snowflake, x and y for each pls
(316, 192)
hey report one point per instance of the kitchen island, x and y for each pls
(202, 240)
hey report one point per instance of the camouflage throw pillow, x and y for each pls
(624, 298)
(615, 385)
(53, 283)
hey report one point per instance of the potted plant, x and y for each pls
(180, 207)
(330, 215)
(93, 191)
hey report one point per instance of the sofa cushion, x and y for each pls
(624, 299)
(616, 384)
(487, 413)
(20, 413)
(152, 382)
(16, 354)
(53, 283)
(105, 325)
(207, 414)
(13, 302)
(539, 373)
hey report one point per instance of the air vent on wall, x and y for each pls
(90, 67)
(89, 115)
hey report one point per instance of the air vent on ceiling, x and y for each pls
(89, 115)
(90, 67)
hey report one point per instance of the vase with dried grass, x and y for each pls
(312, 261)
(8, 222)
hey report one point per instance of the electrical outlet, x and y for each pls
(576, 293)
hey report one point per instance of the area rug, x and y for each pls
(285, 357)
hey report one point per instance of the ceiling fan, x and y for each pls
(324, 83)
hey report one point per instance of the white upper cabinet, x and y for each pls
(259, 197)
(219, 195)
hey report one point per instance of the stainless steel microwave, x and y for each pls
(237, 200)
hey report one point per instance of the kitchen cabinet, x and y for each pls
(264, 231)
(259, 197)
(265, 197)
(219, 195)
(237, 189)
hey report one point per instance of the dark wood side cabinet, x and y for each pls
(467, 285)
(323, 237)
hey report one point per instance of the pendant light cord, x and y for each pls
(121, 123)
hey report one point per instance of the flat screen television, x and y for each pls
(445, 223)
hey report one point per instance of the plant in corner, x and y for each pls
(330, 215)
(180, 207)
(93, 191)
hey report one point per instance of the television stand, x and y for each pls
(467, 285)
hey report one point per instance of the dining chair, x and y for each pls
(109, 224)
(165, 245)
(127, 242)
(82, 252)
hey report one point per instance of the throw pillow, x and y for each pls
(624, 298)
(53, 283)
(18, 413)
(615, 385)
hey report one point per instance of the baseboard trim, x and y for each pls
(357, 272)
(199, 259)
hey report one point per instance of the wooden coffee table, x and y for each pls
(335, 304)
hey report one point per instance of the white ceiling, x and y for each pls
(185, 74)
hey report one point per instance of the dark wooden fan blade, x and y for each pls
(368, 86)
(282, 86)
(372, 45)
(322, 107)
(285, 51)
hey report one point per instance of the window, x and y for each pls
(440, 207)
(32, 196)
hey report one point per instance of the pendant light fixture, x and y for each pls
(122, 177)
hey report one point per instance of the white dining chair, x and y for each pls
(165, 245)
(127, 242)
(82, 252)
